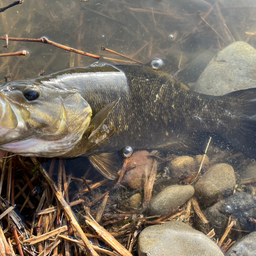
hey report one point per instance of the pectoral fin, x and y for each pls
(100, 118)
(95, 134)
(105, 163)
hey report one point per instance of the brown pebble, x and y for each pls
(141, 165)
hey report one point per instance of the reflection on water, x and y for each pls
(187, 34)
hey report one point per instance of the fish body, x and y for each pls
(102, 108)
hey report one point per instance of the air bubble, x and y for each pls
(157, 63)
(127, 152)
(173, 36)
(228, 209)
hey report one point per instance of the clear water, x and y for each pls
(173, 30)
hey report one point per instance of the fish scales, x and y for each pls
(102, 108)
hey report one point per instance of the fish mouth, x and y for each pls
(11, 119)
(17, 135)
(44, 148)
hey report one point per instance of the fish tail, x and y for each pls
(240, 128)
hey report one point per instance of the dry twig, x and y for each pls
(66, 208)
(198, 210)
(107, 237)
(119, 54)
(149, 183)
(44, 40)
(11, 5)
(229, 226)
(20, 53)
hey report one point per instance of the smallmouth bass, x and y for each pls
(101, 108)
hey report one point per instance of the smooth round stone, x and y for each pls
(217, 182)
(199, 160)
(170, 198)
(232, 69)
(135, 201)
(175, 239)
(245, 246)
(181, 165)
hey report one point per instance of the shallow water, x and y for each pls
(173, 30)
(176, 31)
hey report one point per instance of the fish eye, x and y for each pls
(31, 94)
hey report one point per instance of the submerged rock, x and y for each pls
(217, 182)
(230, 70)
(180, 166)
(249, 172)
(170, 198)
(241, 206)
(206, 160)
(135, 201)
(139, 165)
(194, 69)
(245, 246)
(176, 239)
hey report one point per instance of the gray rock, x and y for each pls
(217, 182)
(230, 70)
(241, 206)
(176, 239)
(170, 198)
(244, 247)
(195, 68)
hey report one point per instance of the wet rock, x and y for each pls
(195, 68)
(230, 70)
(135, 201)
(249, 172)
(241, 206)
(170, 198)
(176, 239)
(199, 159)
(181, 166)
(217, 182)
(139, 165)
(245, 246)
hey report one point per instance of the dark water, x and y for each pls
(177, 31)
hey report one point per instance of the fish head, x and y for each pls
(41, 120)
